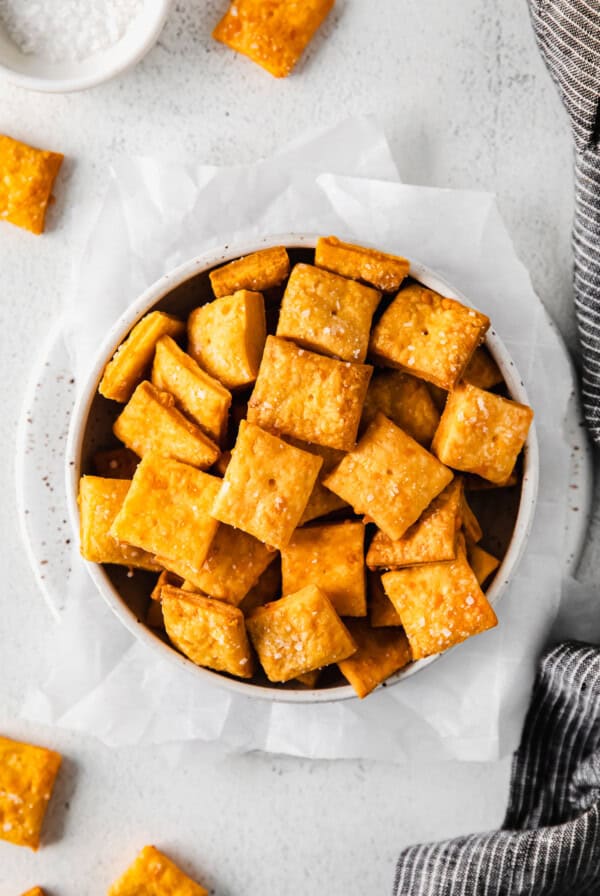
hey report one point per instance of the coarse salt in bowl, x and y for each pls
(59, 46)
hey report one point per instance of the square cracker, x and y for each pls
(482, 371)
(259, 271)
(273, 34)
(100, 501)
(227, 337)
(380, 653)
(383, 271)
(406, 401)
(28, 175)
(209, 632)
(153, 874)
(382, 613)
(427, 335)
(266, 486)
(322, 502)
(481, 562)
(327, 313)
(196, 393)
(131, 361)
(439, 604)
(234, 563)
(389, 477)
(481, 433)
(315, 399)
(330, 556)
(27, 776)
(298, 633)
(431, 539)
(167, 512)
(151, 422)
(35, 891)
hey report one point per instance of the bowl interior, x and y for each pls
(37, 72)
(505, 514)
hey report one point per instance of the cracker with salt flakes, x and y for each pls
(298, 633)
(28, 176)
(439, 604)
(273, 34)
(389, 478)
(380, 269)
(379, 654)
(406, 401)
(256, 272)
(482, 433)
(209, 632)
(154, 874)
(27, 776)
(326, 313)
(132, 360)
(428, 335)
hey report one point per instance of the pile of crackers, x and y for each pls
(306, 427)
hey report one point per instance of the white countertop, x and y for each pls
(467, 103)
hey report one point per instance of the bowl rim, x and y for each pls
(87, 391)
(156, 14)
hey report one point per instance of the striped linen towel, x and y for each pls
(550, 839)
(568, 33)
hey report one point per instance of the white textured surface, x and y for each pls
(467, 103)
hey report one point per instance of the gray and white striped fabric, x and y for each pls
(550, 840)
(568, 33)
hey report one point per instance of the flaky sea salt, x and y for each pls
(67, 30)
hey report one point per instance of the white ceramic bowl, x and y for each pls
(178, 292)
(36, 73)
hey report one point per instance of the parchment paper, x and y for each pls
(156, 214)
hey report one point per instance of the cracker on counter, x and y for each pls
(427, 335)
(151, 422)
(209, 632)
(266, 486)
(312, 398)
(196, 393)
(256, 272)
(406, 401)
(330, 556)
(35, 891)
(28, 175)
(153, 874)
(234, 563)
(27, 776)
(482, 371)
(327, 313)
(481, 432)
(115, 463)
(226, 337)
(439, 604)
(274, 34)
(382, 613)
(100, 502)
(132, 360)
(389, 478)
(380, 653)
(167, 512)
(298, 634)
(431, 539)
(481, 562)
(380, 269)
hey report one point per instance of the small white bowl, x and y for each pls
(36, 73)
(186, 287)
